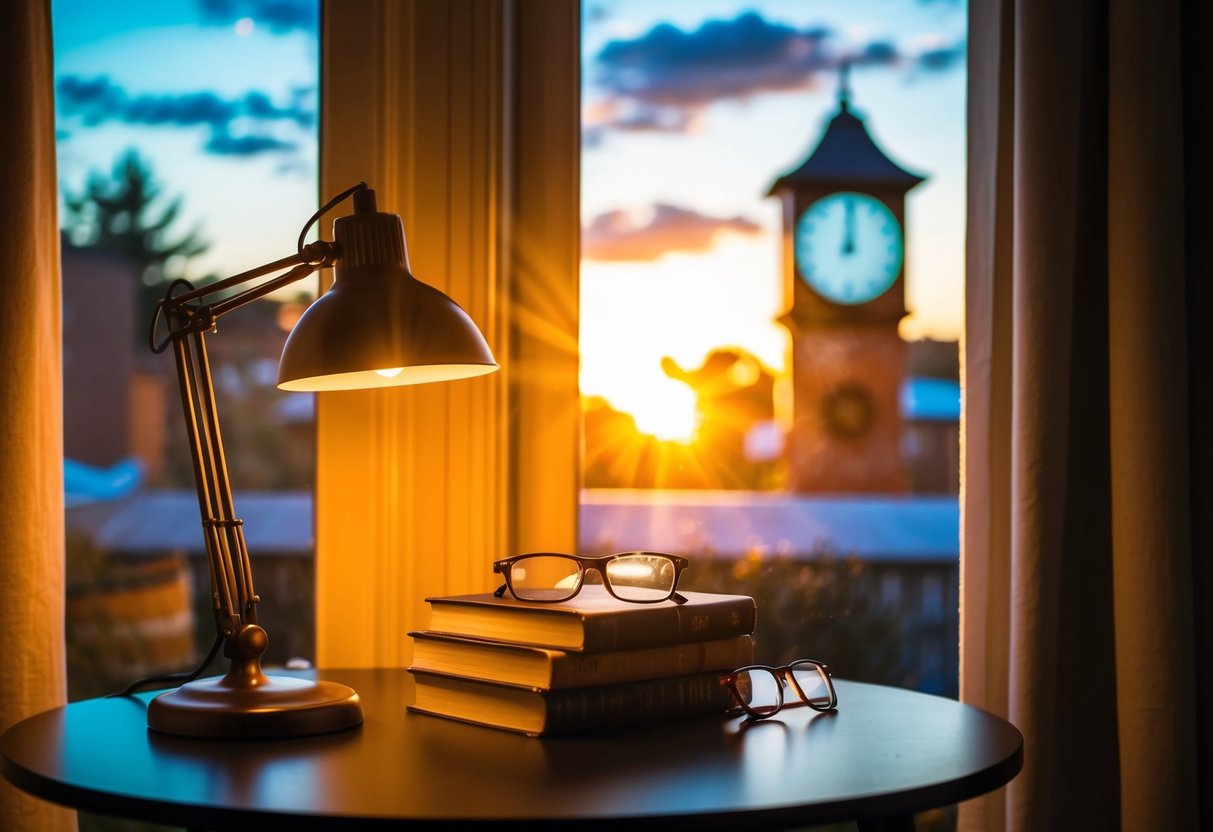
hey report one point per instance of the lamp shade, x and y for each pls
(378, 326)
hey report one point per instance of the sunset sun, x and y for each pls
(667, 411)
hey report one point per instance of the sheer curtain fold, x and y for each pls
(1077, 558)
(464, 115)
(31, 444)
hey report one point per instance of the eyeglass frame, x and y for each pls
(585, 563)
(784, 674)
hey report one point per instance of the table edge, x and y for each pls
(879, 805)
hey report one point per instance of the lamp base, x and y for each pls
(282, 707)
(246, 704)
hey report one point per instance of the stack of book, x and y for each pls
(591, 662)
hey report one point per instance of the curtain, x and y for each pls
(464, 115)
(1086, 457)
(31, 416)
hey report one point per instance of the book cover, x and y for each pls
(593, 621)
(548, 669)
(544, 713)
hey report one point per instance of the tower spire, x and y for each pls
(844, 85)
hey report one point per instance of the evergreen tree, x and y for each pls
(120, 213)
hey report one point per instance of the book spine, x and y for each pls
(669, 625)
(634, 703)
(572, 670)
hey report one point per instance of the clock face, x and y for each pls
(848, 247)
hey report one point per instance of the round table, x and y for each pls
(883, 755)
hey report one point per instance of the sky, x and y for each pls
(691, 108)
(220, 96)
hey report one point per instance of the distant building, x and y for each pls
(930, 414)
(843, 250)
(98, 319)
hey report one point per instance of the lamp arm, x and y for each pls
(189, 319)
(321, 253)
(245, 703)
(230, 304)
(201, 316)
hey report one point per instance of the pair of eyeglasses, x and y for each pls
(758, 689)
(548, 577)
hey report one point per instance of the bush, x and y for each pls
(816, 608)
(124, 618)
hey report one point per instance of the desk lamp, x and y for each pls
(378, 326)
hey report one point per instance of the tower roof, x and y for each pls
(846, 153)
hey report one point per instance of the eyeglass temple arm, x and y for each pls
(500, 591)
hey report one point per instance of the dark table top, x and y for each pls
(884, 753)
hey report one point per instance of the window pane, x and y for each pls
(187, 150)
(772, 282)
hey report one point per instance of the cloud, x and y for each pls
(664, 79)
(876, 53)
(279, 16)
(90, 98)
(942, 58)
(627, 114)
(721, 59)
(596, 13)
(222, 144)
(615, 236)
(98, 100)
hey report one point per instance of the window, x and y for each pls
(772, 281)
(187, 146)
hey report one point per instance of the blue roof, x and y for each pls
(83, 483)
(930, 400)
(155, 522)
(872, 527)
(911, 528)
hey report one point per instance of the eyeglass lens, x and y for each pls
(634, 577)
(545, 578)
(761, 690)
(641, 577)
(811, 680)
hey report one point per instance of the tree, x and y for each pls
(119, 213)
(125, 213)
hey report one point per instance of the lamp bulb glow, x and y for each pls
(390, 372)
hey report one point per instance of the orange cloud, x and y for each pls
(615, 236)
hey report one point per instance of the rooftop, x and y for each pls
(847, 153)
(878, 528)
(872, 527)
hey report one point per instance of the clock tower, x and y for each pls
(844, 289)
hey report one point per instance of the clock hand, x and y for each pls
(848, 240)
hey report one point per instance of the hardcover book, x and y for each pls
(593, 621)
(541, 713)
(548, 669)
